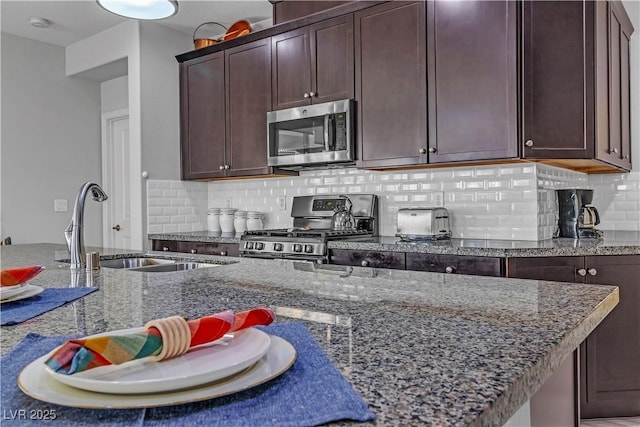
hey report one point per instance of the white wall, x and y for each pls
(50, 142)
(114, 94)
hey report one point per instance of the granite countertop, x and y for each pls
(419, 347)
(613, 243)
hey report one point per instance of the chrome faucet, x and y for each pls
(73, 233)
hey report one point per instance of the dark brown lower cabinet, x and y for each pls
(376, 259)
(202, 248)
(475, 265)
(610, 356)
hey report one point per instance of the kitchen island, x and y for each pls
(420, 348)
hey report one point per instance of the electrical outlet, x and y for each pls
(60, 205)
(435, 199)
(282, 203)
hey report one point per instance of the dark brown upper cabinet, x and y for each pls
(576, 110)
(391, 89)
(202, 117)
(287, 10)
(313, 64)
(225, 97)
(472, 80)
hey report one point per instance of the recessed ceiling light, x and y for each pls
(141, 9)
(39, 22)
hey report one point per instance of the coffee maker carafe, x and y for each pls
(576, 217)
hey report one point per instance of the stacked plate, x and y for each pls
(250, 358)
(14, 283)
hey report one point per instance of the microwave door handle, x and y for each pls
(327, 117)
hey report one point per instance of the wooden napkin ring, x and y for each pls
(176, 336)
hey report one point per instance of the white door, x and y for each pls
(116, 177)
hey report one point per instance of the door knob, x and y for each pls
(364, 263)
(223, 253)
(226, 166)
(221, 167)
(306, 95)
(592, 271)
(448, 270)
(312, 94)
(529, 143)
(582, 272)
(117, 227)
(422, 151)
(433, 149)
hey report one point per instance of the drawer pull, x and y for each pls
(582, 272)
(164, 248)
(364, 263)
(193, 251)
(593, 271)
(448, 269)
(223, 253)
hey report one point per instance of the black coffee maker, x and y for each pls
(576, 217)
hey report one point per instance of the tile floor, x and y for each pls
(612, 422)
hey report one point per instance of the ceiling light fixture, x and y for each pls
(141, 9)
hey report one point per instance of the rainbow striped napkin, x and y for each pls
(81, 354)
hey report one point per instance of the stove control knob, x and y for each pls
(297, 247)
(308, 249)
(259, 246)
(248, 245)
(277, 246)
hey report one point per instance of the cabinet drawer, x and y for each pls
(165, 245)
(209, 248)
(376, 259)
(478, 266)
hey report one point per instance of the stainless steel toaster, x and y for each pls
(423, 224)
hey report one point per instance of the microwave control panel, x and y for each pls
(341, 131)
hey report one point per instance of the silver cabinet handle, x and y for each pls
(626, 157)
(306, 95)
(227, 166)
(422, 151)
(432, 149)
(221, 167)
(529, 143)
(193, 251)
(582, 272)
(448, 270)
(312, 94)
(592, 271)
(223, 253)
(613, 151)
(166, 249)
(364, 263)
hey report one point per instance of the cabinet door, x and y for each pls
(391, 85)
(558, 269)
(558, 99)
(475, 265)
(209, 248)
(332, 60)
(291, 78)
(613, 31)
(472, 80)
(248, 101)
(611, 359)
(376, 259)
(202, 117)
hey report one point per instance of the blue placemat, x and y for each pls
(12, 313)
(311, 392)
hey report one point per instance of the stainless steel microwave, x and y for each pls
(312, 135)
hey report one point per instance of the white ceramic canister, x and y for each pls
(213, 219)
(254, 221)
(226, 220)
(240, 221)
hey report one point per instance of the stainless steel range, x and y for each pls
(307, 239)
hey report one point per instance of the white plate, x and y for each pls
(35, 382)
(200, 365)
(28, 292)
(9, 291)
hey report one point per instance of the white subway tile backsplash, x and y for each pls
(514, 201)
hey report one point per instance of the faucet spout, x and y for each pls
(73, 234)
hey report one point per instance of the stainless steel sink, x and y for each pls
(176, 266)
(134, 262)
(153, 265)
